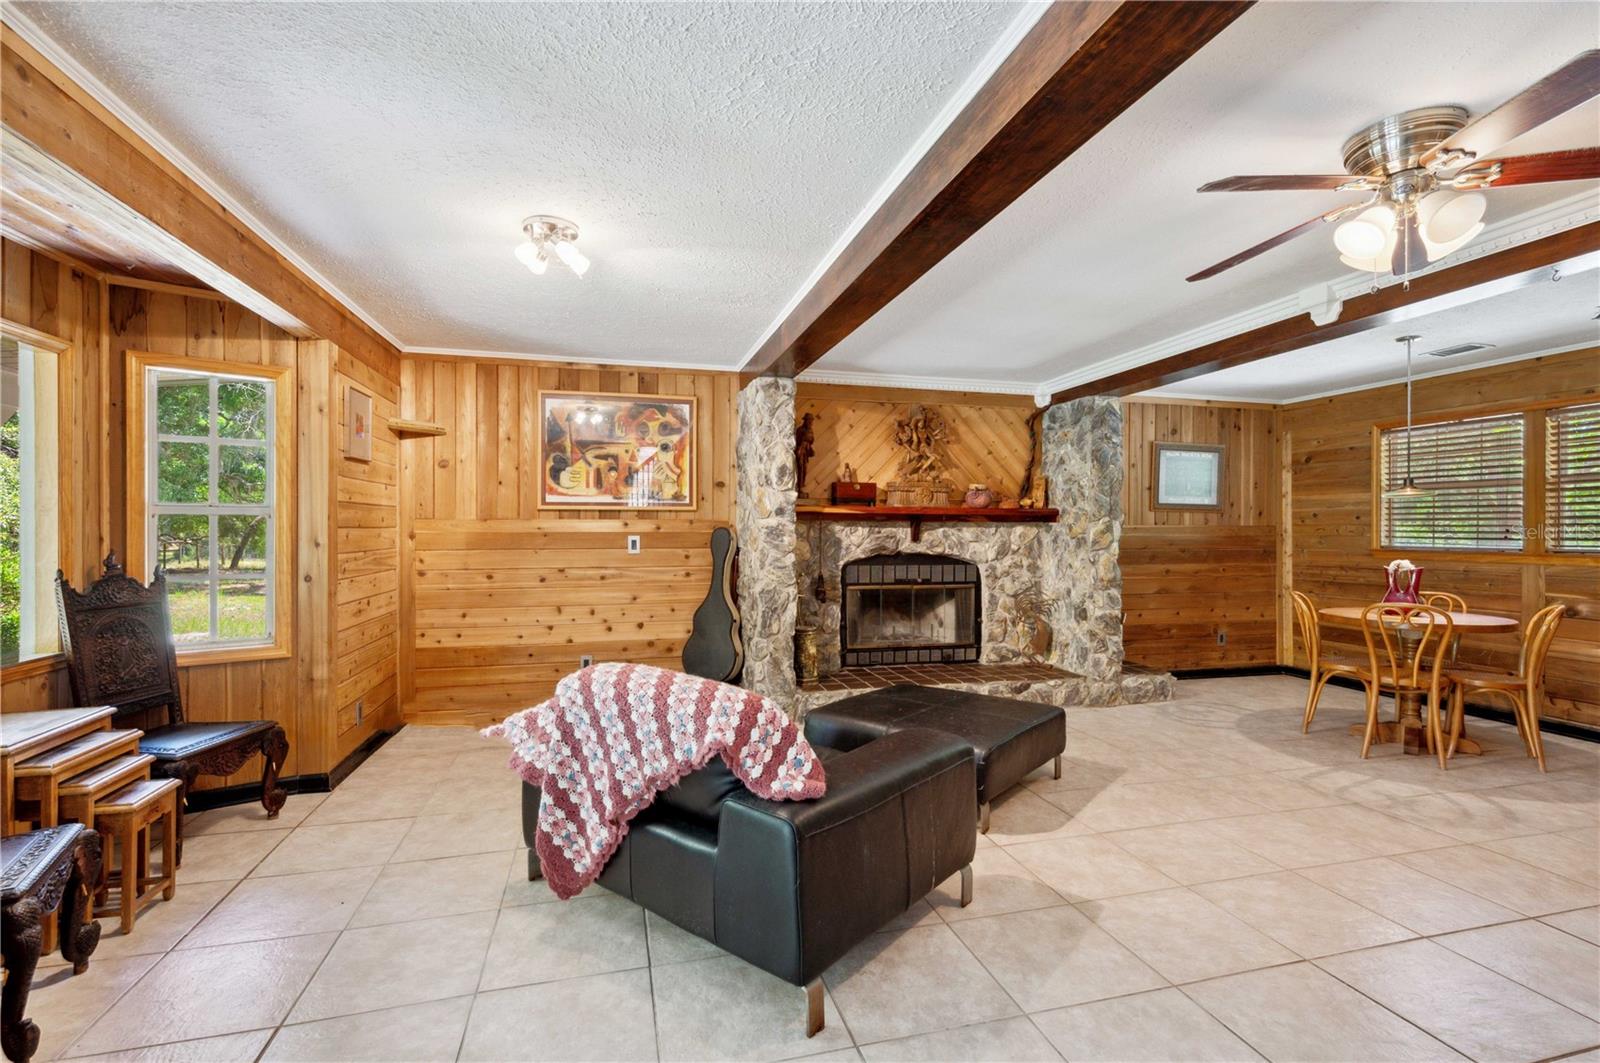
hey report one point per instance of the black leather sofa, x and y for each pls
(791, 886)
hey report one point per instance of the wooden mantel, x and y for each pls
(916, 515)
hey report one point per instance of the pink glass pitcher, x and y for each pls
(1405, 585)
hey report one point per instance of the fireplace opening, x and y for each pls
(909, 609)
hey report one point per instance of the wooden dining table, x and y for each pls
(1408, 726)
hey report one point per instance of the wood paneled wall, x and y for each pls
(105, 320)
(499, 599)
(855, 425)
(1329, 447)
(1192, 576)
(367, 566)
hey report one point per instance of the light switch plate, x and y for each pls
(633, 544)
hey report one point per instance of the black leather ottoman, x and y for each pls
(1009, 738)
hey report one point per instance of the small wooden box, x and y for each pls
(854, 494)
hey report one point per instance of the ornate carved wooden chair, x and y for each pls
(117, 637)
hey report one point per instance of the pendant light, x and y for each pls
(1408, 487)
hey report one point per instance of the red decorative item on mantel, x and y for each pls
(1405, 582)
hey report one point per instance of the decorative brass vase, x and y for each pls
(807, 655)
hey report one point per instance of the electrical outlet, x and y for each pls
(633, 544)
(1222, 638)
(585, 661)
(361, 710)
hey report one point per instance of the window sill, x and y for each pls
(1488, 557)
(33, 666)
(231, 655)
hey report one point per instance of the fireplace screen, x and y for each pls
(909, 609)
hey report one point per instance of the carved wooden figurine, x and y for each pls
(805, 448)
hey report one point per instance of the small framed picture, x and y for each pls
(1188, 475)
(357, 425)
(611, 451)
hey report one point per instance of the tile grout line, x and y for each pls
(160, 957)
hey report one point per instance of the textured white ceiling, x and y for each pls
(1089, 264)
(711, 153)
(1542, 317)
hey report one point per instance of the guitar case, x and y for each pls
(714, 649)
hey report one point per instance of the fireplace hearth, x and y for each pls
(909, 609)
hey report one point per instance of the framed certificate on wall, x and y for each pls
(1188, 475)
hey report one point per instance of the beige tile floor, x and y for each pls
(1204, 883)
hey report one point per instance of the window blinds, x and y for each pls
(1572, 479)
(1472, 474)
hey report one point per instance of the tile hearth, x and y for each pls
(876, 677)
(1204, 882)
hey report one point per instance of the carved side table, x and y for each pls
(40, 872)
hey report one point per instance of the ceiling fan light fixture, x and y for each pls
(1366, 235)
(1378, 263)
(1446, 217)
(1438, 251)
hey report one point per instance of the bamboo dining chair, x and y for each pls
(1401, 664)
(1524, 688)
(1450, 603)
(1322, 668)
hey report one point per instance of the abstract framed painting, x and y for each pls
(609, 451)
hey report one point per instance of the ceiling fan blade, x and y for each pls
(1409, 254)
(1580, 164)
(1280, 183)
(1265, 245)
(1552, 95)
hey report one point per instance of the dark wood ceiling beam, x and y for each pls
(1480, 278)
(1077, 69)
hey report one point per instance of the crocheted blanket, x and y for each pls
(614, 735)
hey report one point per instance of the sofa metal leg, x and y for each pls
(535, 872)
(813, 1007)
(966, 885)
(1058, 765)
(983, 818)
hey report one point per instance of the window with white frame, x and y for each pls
(210, 497)
(30, 500)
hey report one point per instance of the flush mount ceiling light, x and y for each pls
(548, 237)
(1423, 173)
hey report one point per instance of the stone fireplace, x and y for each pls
(909, 609)
(972, 598)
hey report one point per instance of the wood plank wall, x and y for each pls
(498, 599)
(104, 321)
(1329, 442)
(367, 566)
(856, 425)
(1189, 576)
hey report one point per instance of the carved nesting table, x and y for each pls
(43, 871)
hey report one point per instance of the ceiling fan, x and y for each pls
(1424, 171)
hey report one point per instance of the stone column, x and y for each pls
(1083, 467)
(764, 510)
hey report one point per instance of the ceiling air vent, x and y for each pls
(1460, 348)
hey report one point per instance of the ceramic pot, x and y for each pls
(978, 497)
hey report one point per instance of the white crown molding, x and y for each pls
(1566, 213)
(916, 383)
(557, 359)
(86, 80)
(1369, 385)
(979, 77)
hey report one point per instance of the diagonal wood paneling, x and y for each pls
(988, 436)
